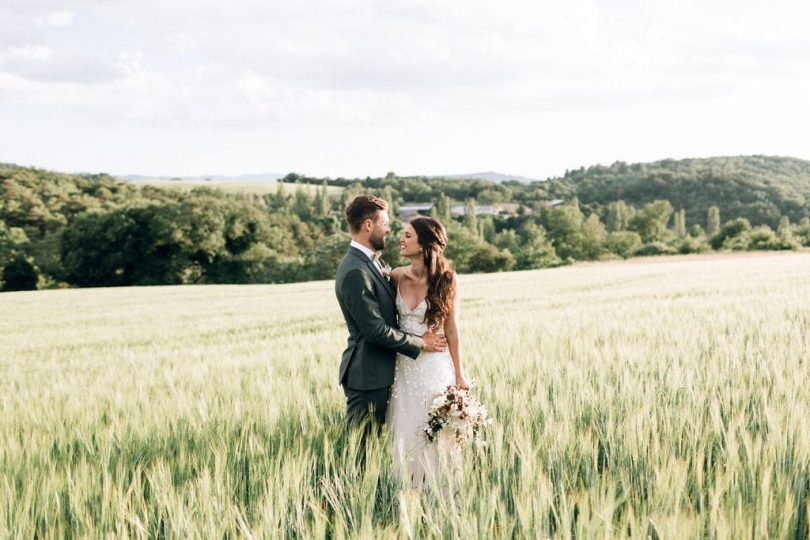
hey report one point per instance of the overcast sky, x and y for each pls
(363, 87)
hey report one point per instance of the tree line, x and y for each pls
(60, 230)
(761, 189)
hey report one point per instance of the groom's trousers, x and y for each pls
(365, 405)
(365, 409)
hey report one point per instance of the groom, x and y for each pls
(367, 302)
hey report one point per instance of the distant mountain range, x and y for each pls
(260, 177)
(489, 175)
(272, 177)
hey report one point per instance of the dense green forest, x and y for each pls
(61, 230)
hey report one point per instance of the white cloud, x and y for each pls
(26, 53)
(56, 19)
(43, 63)
(415, 84)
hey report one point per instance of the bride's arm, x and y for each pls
(453, 338)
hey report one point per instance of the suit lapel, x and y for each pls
(376, 273)
(380, 279)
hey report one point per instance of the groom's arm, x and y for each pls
(357, 291)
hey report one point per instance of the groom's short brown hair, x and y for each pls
(362, 208)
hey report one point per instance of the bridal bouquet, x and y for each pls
(460, 412)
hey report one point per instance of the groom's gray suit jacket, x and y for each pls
(367, 303)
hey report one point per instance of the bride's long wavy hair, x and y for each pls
(441, 292)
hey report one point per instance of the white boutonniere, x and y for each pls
(386, 270)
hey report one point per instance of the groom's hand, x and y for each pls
(434, 342)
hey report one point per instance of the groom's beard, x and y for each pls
(377, 242)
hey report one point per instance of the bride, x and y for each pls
(426, 298)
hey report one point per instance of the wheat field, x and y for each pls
(665, 398)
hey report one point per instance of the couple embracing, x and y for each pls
(404, 343)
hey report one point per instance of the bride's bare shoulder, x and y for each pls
(401, 271)
(398, 273)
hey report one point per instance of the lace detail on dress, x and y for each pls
(416, 381)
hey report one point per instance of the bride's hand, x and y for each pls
(462, 382)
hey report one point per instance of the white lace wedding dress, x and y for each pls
(416, 381)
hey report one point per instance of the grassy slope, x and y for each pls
(625, 394)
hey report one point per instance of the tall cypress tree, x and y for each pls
(680, 223)
(322, 202)
(470, 219)
(441, 208)
(713, 221)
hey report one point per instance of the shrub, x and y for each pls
(623, 243)
(20, 275)
(691, 244)
(488, 258)
(763, 238)
(654, 248)
(802, 232)
(731, 229)
(736, 243)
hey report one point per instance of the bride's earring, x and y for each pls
(420, 250)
